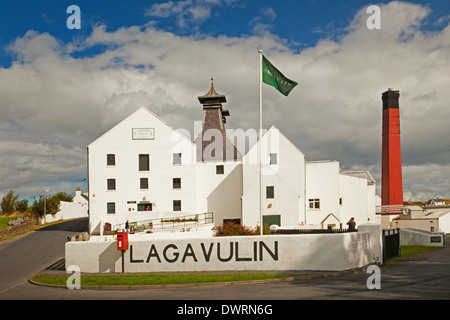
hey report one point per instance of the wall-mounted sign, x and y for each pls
(143, 133)
(131, 202)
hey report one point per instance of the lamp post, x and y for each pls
(45, 202)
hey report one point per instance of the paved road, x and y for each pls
(423, 276)
(25, 255)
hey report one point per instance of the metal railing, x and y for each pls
(389, 209)
(168, 223)
(309, 231)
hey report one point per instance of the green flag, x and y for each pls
(275, 78)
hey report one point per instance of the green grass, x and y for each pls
(407, 251)
(4, 221)
(157, 279)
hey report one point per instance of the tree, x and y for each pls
(22, 205)
(9, 202)
(37, 208)
(49, 205)
(63, 196)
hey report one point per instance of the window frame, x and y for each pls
(273, 156)
(315, 202)
(271, 193)
(177, 161)
(109, 206)
(147, 166)
(174, 184)
(110, 156)
(150, 205)
(140, 183)
(110, 187)
(222, 167)
(175, 206)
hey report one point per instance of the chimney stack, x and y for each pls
(391, 168)
(212, 143)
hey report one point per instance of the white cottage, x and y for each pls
(143, 169)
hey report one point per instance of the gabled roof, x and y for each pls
(141, 110)
(266, 133)
(328, 216)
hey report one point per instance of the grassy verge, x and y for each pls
(4, 221)
(407, 251)
(158, 279)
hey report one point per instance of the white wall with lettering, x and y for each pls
(332, 252)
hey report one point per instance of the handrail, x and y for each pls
(389, 209)
(169, 222)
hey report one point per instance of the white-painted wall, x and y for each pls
(160, 192)
(322, 182)
(77, 208)
(235, 194)
(324, 252)
(354, 194)
(416, 237)
(220, 193)
(287, 177)
(444, 223)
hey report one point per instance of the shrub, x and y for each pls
(235, 229)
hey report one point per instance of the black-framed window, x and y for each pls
(270, 192)
(110, 159)
(144, 162)
(111, 207)
(220, 169)
(314, 203)
(111, 184)
(176, 205)
(176, 183)
(143, 183)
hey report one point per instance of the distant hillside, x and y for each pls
(422, 203)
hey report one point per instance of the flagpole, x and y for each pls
(260, 144)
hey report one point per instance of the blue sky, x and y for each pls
(61, 89)
(300, 23)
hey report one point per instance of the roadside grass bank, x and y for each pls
(4, 221)
(157, 279)
(407, 251)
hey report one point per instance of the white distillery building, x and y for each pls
(143, 169)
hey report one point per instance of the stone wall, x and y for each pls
(17, 229)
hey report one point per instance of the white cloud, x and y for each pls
(54, 105)
(263, 23)
(187, 12)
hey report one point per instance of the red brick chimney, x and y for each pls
(391, 168)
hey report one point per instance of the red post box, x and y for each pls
(122, 241)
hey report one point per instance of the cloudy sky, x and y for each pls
(62, 88)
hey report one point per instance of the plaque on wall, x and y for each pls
(143, 133)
